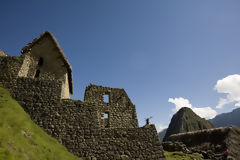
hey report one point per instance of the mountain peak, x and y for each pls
(185, 120)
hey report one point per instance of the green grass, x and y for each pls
(22, 139)
(182, 156)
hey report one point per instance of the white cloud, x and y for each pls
(204, 112)
(161, 127)
(179, 103)
(229, 85)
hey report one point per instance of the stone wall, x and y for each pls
(2, 53)
(27, 90)
(80, 125)
(23, 66)
(31, 66)
(121, 111)
(26, 67)
(77, 125)
(217, 140)
(119, 144)
(10, 66)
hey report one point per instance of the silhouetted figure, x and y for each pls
(148, 120)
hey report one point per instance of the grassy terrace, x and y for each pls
(22, 139)
(183, 156)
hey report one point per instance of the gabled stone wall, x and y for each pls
(80, 125)
(121, 111)
(32, 69)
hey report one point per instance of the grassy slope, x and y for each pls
(182, 156)
(21, 139)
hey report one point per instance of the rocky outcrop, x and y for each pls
(185, 120)
(175, 146)
(212, 141)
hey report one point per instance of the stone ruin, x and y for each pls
(211, 142)
(95, 128)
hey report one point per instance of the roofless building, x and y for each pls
(102, 126)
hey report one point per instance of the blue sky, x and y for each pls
(164, 53)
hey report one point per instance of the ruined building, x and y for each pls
(41, 81)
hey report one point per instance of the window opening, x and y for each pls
(40, 62)
(37, 73)
(106, 120)
(106, 98)
(106, 115)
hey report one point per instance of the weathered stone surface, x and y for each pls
(212, 141)
(175, 146)
(80, 125)
(122, 112)
(2, 53)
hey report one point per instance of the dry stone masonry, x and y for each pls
(212, 141)
(103, 126)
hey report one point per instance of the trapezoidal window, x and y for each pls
(37, 73)
(106, 115)
(106, 120)
(106, 98)
(40, 61)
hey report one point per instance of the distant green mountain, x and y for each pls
(186, 120)
(22, 139)
(162, 134)
(227, 119)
